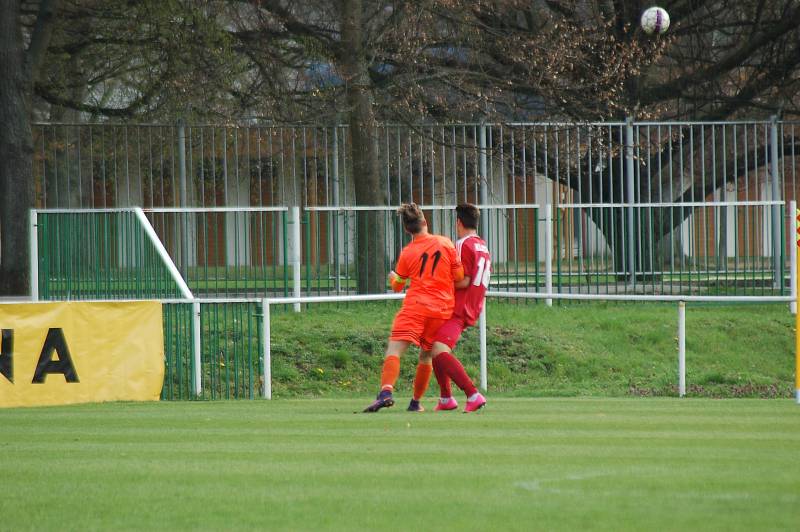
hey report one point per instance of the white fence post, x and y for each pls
(267, 331)
(482, 327)
(776, 196)
(681, 348)
(793, 257)
(296, 254)
(548, 252)
(184, 202)
(630, 197)
(34, 252)
(484, 177)
(196, 361)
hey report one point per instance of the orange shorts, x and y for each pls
(419, 330)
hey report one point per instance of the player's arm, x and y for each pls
(467, 261)
(399, 275)
(396, 282)
(456, 268)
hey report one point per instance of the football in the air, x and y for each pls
(655, 20)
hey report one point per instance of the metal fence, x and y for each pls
(571, 167)
(222, 359)
(213, 344)
(333, 266)
(99, 254)
(593, 208)
(103, 165)
(678, 248)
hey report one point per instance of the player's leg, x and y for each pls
(407, 329)
(425, 365)
(421, 379)
(446, 338)
(444, 363)
(389, 373)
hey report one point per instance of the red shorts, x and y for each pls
(419, 330)
(450, 332)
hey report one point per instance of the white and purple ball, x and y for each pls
(655, 20)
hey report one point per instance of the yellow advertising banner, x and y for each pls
(80, 352)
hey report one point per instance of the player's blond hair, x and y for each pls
(413, 219)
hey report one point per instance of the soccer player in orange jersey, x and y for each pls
(431, 264)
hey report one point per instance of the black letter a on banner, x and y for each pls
(55, 342)
(7, 354)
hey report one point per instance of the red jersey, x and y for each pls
(474, 255)
(431, 264)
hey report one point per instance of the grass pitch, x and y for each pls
(310, 464)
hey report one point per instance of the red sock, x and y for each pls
(421, 380)
(441, 377)
(453, 368)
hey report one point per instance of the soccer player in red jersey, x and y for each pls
(470, 294)
(431, 264)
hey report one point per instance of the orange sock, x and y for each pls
(421, 380)
(391, 370)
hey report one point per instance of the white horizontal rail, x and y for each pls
(333, 299)
(215, 209)
(387, 297)
(81, 211)
(263, 126)
(642, 297)
(423, 207)
(692, 204)
(163, 209)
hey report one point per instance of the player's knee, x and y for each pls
(438, 348)
(397, 347)
(425, 357)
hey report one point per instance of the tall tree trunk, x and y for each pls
(16, 155)
(371, 235)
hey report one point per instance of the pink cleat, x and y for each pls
(477, 404)
(451, 404)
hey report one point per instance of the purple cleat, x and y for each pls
(384, 400)
(414, 406)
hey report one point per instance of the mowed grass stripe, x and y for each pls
(554, 464)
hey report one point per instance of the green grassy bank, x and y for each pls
(577, 349)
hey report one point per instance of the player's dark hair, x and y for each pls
(413, 219)
(468, 214)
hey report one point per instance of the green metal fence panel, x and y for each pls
(178, 352)
(227, 252)
(231, 356)
(722, 248)
(351, 249)
(100, 255)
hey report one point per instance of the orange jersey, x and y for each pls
(431, 264)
